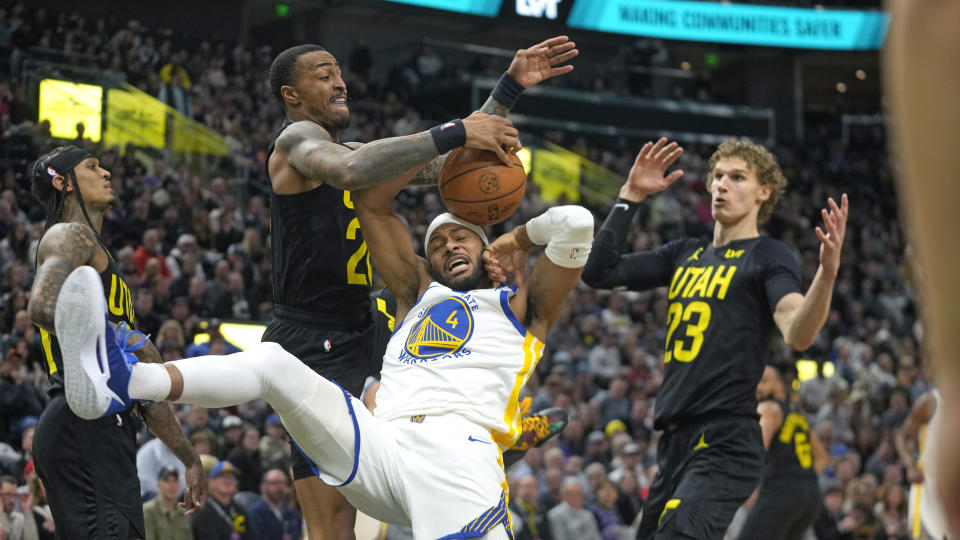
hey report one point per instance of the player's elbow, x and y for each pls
(39, 316)
(800, 343)
(579, 222)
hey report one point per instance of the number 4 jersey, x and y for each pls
(720, 302)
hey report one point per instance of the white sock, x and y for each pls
(265, 371)
(149, 381)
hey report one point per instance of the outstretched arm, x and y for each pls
(920, 414)
(566, 231)
(800, 316)
(607, 267)
(310, 150)
(65, 247)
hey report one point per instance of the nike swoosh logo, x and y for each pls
(471, 439)
(621, 205)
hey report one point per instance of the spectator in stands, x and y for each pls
(163, 517)
(271, 515)
(246, 456)
(569, 520)
(21, 402)
(274, 448)
(150, 249)
(552, 495)
(11, 521)
(153, 458)
(605, 511)
(221, 518)
(231, 433)
(533, 522)
(36, 526)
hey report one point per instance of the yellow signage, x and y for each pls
(66, 104)
(241, 335)
(134, 118)
(807, 369)
(557, 174)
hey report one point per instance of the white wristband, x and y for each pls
(568, 233)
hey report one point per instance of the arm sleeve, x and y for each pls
(781, 272)
(607, 267)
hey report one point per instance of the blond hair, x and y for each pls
(761, 162)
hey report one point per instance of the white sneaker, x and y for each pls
(96, 362)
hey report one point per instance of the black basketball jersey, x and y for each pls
(320, 261)
(719, 323)
(119, 309)
(789, 453)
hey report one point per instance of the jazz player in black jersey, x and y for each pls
(725, 297)
(322, 271)
(88, 467)
(788, 501)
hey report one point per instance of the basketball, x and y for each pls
(476, 186)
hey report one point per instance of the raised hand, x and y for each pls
(492, 132)
(647, 174)
(540, 62)
(831, 242)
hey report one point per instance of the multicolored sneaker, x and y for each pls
(96, 361)
(538, 428)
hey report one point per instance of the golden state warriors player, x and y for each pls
(322, 271)
(924, 427)
(88, 467)
(455, 364)
(725, 297)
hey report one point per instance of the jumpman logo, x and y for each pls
(702, 444)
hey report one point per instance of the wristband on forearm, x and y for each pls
(507, 91)
(449, 135)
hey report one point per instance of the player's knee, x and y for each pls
(273, 351)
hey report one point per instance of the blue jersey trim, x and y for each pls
(356, 443)
(505, 304)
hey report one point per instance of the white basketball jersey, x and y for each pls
(462, 353)
(930, 437)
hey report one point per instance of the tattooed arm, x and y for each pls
(310, 150)
(65, 247)
(161, 421)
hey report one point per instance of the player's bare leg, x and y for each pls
(922, 81)
(327, 513)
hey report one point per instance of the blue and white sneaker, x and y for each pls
(96, 362)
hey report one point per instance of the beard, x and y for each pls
(478, 279)
(338, 122)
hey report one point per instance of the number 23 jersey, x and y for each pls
(721, 302)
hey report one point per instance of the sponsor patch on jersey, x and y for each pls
(443, 328)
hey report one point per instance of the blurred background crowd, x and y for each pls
(194, 247)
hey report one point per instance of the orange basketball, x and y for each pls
(476, 186)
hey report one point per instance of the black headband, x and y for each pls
(66, 161)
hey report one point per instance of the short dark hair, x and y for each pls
(284, 67)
